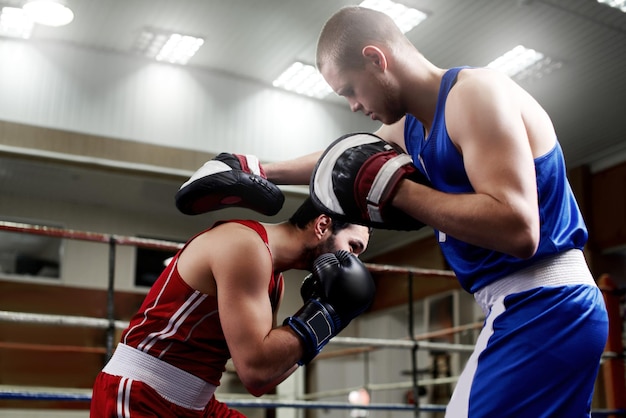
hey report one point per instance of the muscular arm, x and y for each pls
(241, 267)
(485, 121)
(296, 172)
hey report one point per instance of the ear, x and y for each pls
(375, 55)
(322, 226)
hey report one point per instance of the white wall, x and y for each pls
(127, 97)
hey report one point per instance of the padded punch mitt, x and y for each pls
(355, 180)
(229, 180)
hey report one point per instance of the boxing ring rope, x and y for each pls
(83, 321)
(424, 336)
(268, 404)
(413, 342)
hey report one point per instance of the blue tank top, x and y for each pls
(562, 225)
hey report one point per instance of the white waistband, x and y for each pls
(567, 268)
(175, 385)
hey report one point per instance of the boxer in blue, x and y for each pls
(494, 190)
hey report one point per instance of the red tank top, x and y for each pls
(181, 326)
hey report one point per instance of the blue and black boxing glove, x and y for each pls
(338, 290)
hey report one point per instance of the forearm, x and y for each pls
(295, 172)
(270, 362)
(278, 380)
(479, 219)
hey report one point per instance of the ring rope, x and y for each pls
(389, 343)
(103, 324)
(174, 246)
(376, 387)
(385, 268)
(65, 320)
(424, 336)
(77, 321)
(47, 348)
(235, 403)
(260, 403)
(89, 236)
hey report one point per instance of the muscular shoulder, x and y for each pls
(485, 102)
(234, 240)
(474, 83)
(227, 250)
(481, 100)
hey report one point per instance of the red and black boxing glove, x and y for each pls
(229, 180)
(356, 178)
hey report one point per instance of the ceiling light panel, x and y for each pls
(524, 63)
(174, 48)
(49, 13)
(303, 79)
(618, 4)
(405, 17)
(179, 48)
(15, 23)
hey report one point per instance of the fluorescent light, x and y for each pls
(523, 63)
(150, 43)
(171, 47)
(303, 79)
(405, 17)
(516, 60)
(179, 48)
(49, 13)
(15, 23)
(18, 22)
(618, 4)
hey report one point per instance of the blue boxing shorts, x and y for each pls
(539, 351)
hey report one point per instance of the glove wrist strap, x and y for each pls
(314, 324)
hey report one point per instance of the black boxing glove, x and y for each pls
(340, 289)
(356, 178)
(309, 288)
(229, 180)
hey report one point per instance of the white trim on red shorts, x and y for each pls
(173, 384)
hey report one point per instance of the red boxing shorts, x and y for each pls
(121, 397)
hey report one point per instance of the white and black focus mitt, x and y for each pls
(229, 180)
(355, 180)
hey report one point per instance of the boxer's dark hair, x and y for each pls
(308, 212)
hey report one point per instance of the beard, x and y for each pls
(311, 254)
(393, 109)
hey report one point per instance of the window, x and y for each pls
(32, 255)
(150, 263)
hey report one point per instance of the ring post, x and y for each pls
(416, 410)
(613, 368)
(110, 334)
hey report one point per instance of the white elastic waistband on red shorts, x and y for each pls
(567, 268)
(173, 384)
